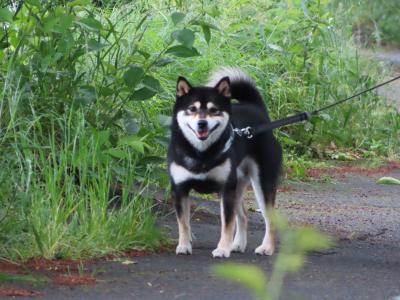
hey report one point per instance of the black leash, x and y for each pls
(250, 132)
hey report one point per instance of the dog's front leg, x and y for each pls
(225, 244)
(182, 209)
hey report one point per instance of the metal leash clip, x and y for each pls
(247, 132)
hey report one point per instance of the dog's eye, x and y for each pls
(213, 110)
(192, 109)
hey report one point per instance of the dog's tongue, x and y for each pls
(202, 134)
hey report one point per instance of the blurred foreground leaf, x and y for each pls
(388, 180)
(249, 276)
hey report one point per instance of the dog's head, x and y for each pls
(202, 113)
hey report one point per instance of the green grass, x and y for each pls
(60, 201)
(86, 93)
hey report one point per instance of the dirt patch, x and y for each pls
(59, 265)
(129, 253)
(60, 271)
(351, 169)
(285, 189)
(13, 292)
(73, 279)
(40, 264)
(8, 267)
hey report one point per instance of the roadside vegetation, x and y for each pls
(87, 90)
(374, 22)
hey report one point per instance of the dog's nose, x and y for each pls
(202, 124)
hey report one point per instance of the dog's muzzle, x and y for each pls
(202, 131)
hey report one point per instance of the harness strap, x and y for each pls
(229, 142)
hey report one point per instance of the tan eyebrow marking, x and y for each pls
(210, 105)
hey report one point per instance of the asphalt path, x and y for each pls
(362, 216)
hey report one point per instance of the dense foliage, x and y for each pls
(87, 90)
(375, 21)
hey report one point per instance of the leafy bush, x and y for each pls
(374, 21)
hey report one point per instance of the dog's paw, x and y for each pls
(264, 250)
(239, 247)
(220, 252)
(184, 249)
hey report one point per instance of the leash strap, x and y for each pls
(315, 112)
(250, 132)
(304, 116)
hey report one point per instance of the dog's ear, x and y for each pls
(182, 87)
(224, 87)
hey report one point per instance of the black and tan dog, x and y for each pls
(205, 155)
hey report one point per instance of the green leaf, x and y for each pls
(102, 136)
(134, 142)
(213, 11)
(133, 76)
(95, 45)
(289, 141)
(5, 15)
(163, 61)
(206, 33)
(65, 22)
(33, 2)
(152, 83)
(79, 3)
(204, 23)
(145, 54)
(106, 91)
(49, 23)
(117, 153)
(249, 276)
(143, 93)
(182, 51)
(66, 44)
(177, 17)
(388, 180)
(184, 36)
(309, 239)
(289, 262)
(90, 24)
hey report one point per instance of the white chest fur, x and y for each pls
(219, 173)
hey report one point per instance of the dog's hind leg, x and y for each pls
(225, 244)
(240, 240)
(265, 197)
(182, 209)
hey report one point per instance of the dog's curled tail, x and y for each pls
(242, 85)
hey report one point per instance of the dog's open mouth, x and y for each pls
(202, 134)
